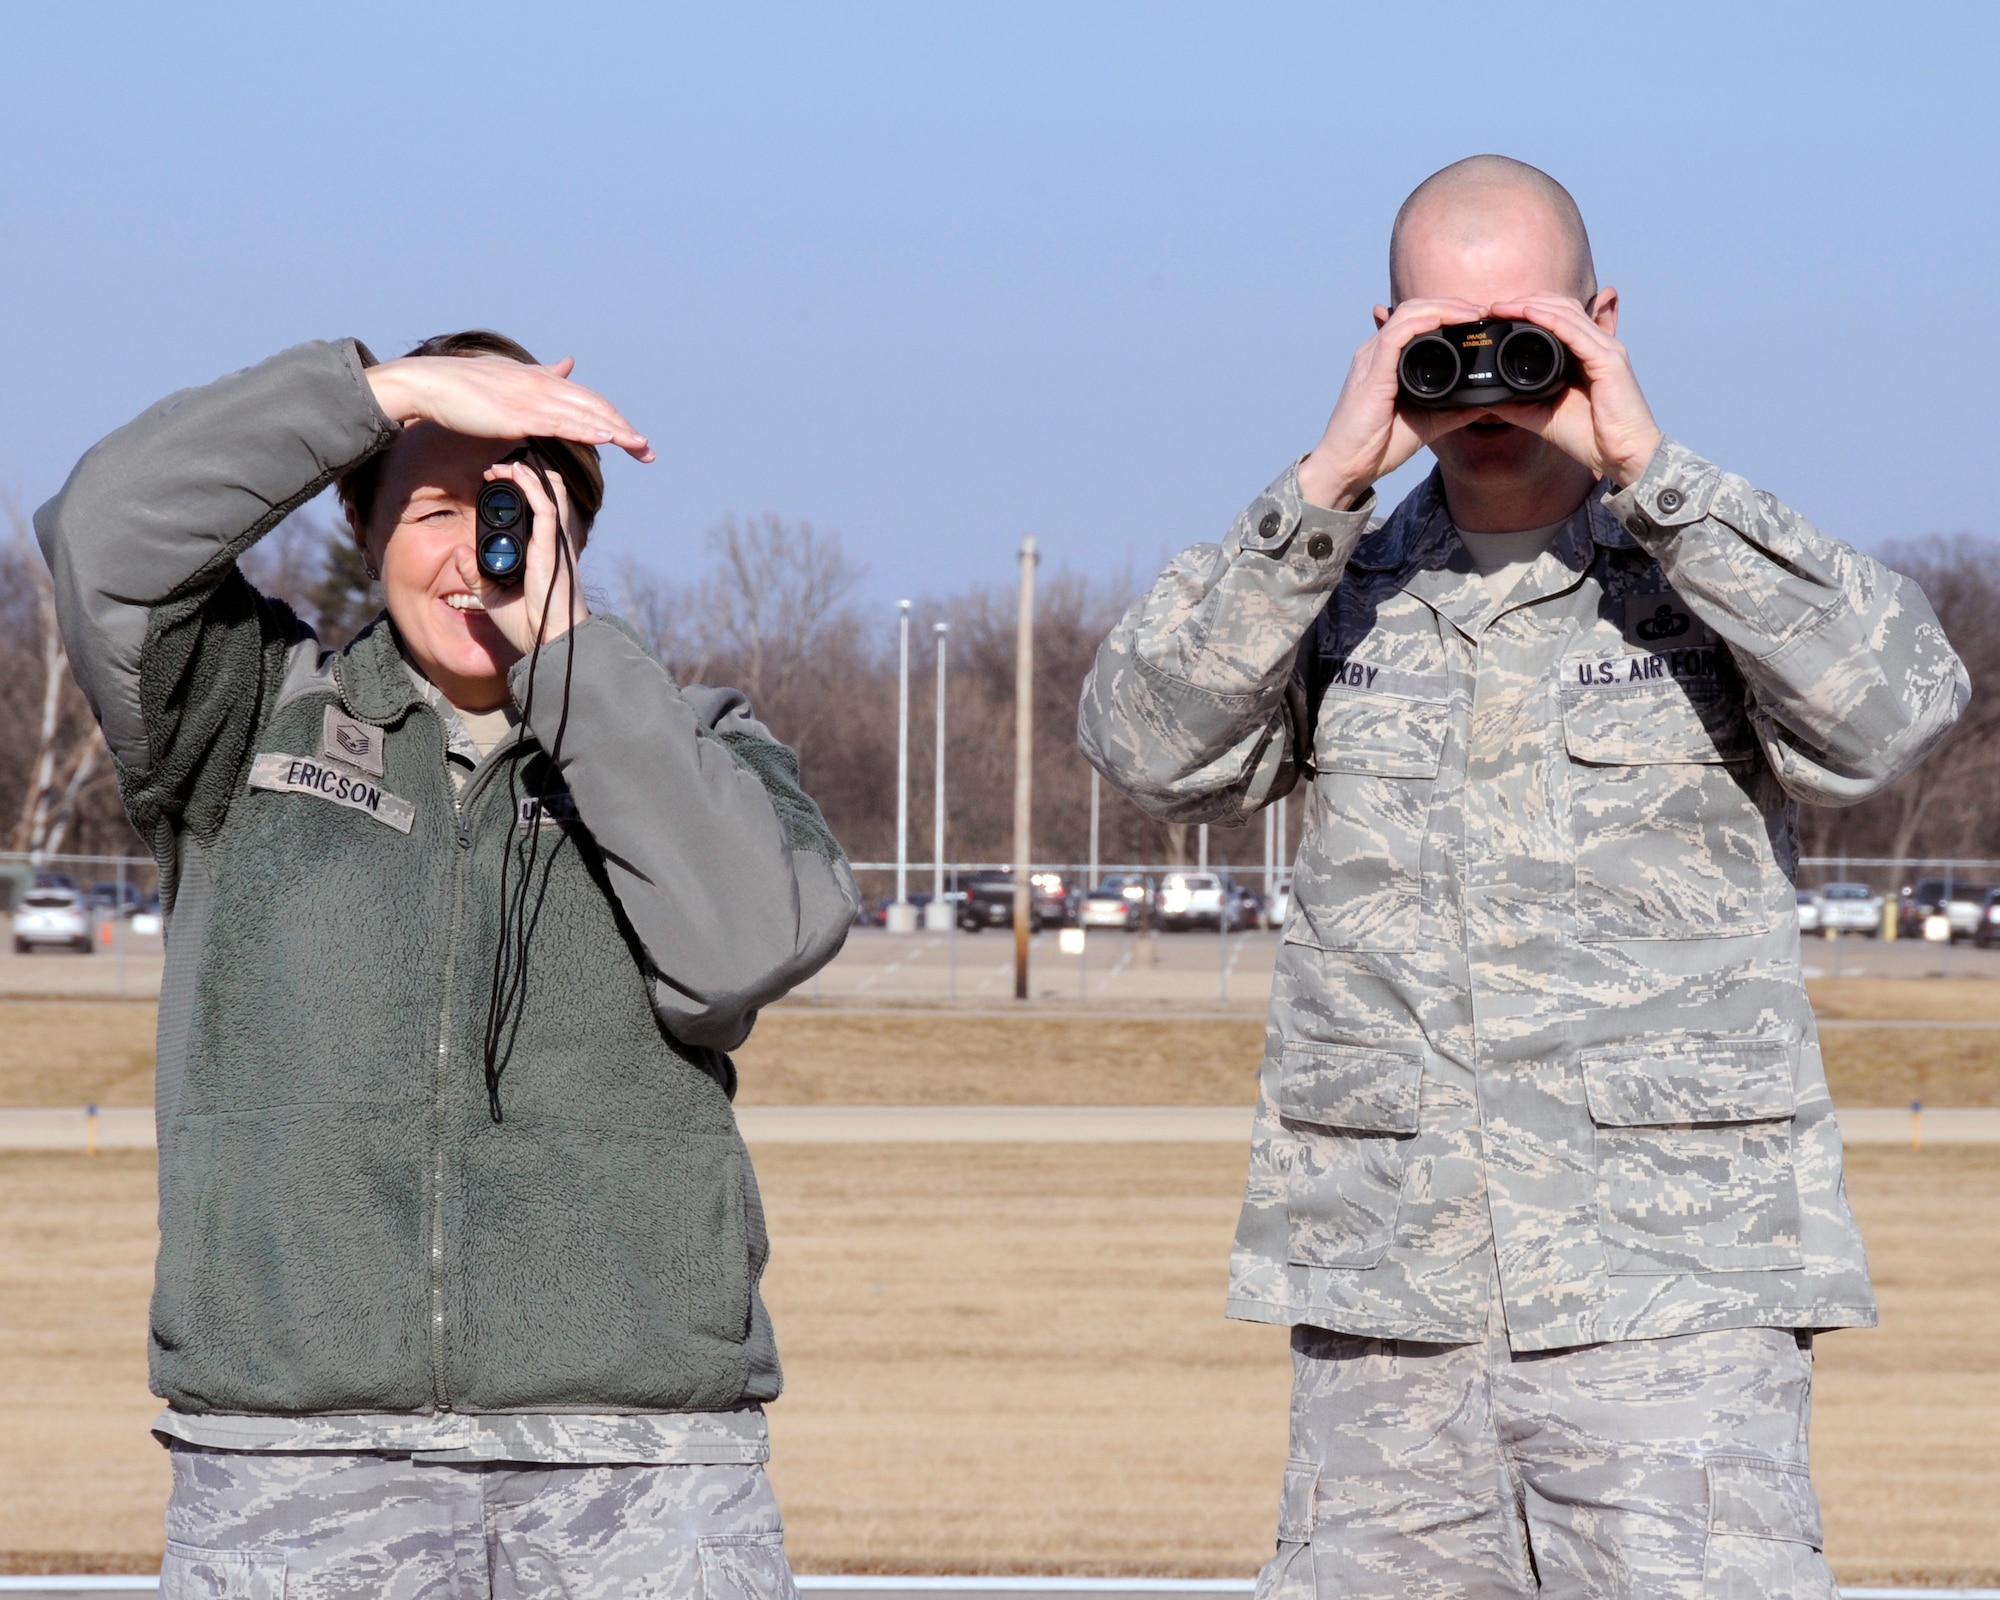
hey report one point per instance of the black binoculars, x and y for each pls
(1491, 363)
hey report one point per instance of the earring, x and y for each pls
(368, 567)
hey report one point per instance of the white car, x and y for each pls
(1850, 908)
(1808, 911)
(52, 916)
(1188, 898)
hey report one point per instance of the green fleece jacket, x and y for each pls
(344, 1225)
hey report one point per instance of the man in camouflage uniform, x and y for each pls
(1545, 1177)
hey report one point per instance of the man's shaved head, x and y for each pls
(1472, 203)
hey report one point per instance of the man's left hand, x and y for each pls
(1602, 419)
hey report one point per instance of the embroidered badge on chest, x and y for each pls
(352, 743)
(288, 774)
(1659, 621)
(548, 810)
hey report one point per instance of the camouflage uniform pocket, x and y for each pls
(1377, 758)
(1694, 1154)
(1351, 1112)
(1289, 1574)
(1670, 836)
(1764, 1537)
(191, 1573)
(749, 1566)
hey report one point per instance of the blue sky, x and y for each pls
(938, 276)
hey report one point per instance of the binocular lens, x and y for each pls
(501, 505)
(1529, 359)
(499, 556)
(1429, 366)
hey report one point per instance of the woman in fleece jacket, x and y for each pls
(459, 1242)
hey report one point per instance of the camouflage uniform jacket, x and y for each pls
(1539, 994)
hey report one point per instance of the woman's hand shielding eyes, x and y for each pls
(492, 397)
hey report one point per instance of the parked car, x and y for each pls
(1961, 903)
(989, 900)
(116, 899)
(54, 880)
(1242, 906)
(1280, 907)
(1850, 908)
(1191, 900)
(1989, 920)
(52, 916)
(1808, 911)
(1117, 902)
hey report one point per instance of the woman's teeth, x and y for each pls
(464, 602)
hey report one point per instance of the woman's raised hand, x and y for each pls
(492, 397)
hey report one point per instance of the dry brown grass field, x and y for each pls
(64, 1053)
(1009, 1357)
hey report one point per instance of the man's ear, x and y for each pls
(1603, 309)
(1381, 316)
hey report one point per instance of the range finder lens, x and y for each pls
(501, 505)
(1529, 359)
(1429, 367)
(499, 556)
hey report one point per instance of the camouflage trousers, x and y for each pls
(1656, 1469)
(254, 1525)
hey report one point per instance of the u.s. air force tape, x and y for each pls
(288, 774)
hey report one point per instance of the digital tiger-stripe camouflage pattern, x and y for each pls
(1540, 991)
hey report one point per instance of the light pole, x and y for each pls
(1093, 827)
(1201, 848)
(938, 915)
(902, 916)
(1024, 765)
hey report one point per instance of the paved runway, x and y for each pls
(131, 1127)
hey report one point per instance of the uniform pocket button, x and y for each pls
(1319, 547)
(1671, 500)
(1268, 528)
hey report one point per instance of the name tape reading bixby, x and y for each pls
(288, 774)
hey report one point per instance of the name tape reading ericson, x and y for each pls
(289, 774)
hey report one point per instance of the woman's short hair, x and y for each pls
(582, 475)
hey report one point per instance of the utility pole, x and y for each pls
(1201, 848)
(940, 915)
(902, 916)
(1024, 765)
(1270, 854)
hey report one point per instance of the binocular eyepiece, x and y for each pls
(1489, 363)
(501, 544)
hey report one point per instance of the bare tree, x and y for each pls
(62, 758)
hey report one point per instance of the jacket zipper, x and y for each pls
(440, 1390)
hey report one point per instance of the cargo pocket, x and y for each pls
(1764, 1537)
(746, 1566)
(1289, 1574)
(1670, 840)
(1359, 878)
(1352, 1114)
(1694, 1154)
(191, 1573)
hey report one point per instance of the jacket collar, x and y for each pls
(374, 684)
(1420, 541)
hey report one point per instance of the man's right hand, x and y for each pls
(1369, 435)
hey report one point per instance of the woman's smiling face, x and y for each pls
(420, 538)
